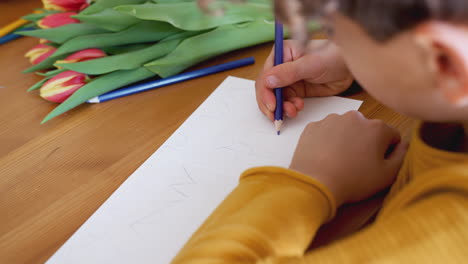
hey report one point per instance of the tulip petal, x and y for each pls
(62, 86)
(83, 55)
(40, 53)
(58, 20)
(42, 58)
(60, 96)
(99, 86)
(65, 5)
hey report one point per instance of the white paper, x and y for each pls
(150, 217)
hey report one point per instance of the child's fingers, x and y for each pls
(321, 90)
(289, 109)
(292, 51)
(396, 158)
(387, 136)
(290, 92)
(297, 102)
(291, 71)
(284, 75)
(291, 96)
(266, 99)
(269, 114)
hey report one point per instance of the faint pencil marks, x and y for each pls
(165, 205)
(154, 214)
(228, 108)
(176, 186)
(179, 142)
(230, 148)
(238, 147)
(223, 109)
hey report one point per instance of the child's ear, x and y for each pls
(445, 46)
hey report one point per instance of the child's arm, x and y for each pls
(273, 212)
(276, 212)
(430, 229)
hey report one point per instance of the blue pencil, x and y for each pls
(12, 36)
(171, 80)
(8, 38)
(279, 35)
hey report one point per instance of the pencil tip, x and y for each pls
(94, 100)
(278, 124)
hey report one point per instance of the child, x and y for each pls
(413, 57)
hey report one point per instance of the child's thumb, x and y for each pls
(285, 74)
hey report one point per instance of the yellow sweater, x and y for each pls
(274, 214)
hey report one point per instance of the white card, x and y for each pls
(155, 211)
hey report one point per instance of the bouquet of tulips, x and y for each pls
(88, 48)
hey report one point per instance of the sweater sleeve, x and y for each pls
(273, 213)
(432, 230)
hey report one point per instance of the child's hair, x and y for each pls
(382, 19)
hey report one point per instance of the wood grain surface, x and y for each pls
(54, 176)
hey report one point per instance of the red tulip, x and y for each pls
(58, 20)
(39, 53)
(83, 55)
(62, 86)
(65, 5)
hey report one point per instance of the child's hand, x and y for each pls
(351, 155)
(322, 73)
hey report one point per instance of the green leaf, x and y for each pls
(29, 25)
(188, 16)
(37, 17)
(146, 31)
(126, 61)
(101, 5)
(98, 86)
(109, 19)
(51, 73)
(180, 1)
(171, 1)
(39, 84)
(115, 50)
(221, 40)
(64, 33)
(46, 64)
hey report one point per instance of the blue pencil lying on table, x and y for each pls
(138, 88)
(12, 36)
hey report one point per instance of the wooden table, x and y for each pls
(54, 176)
